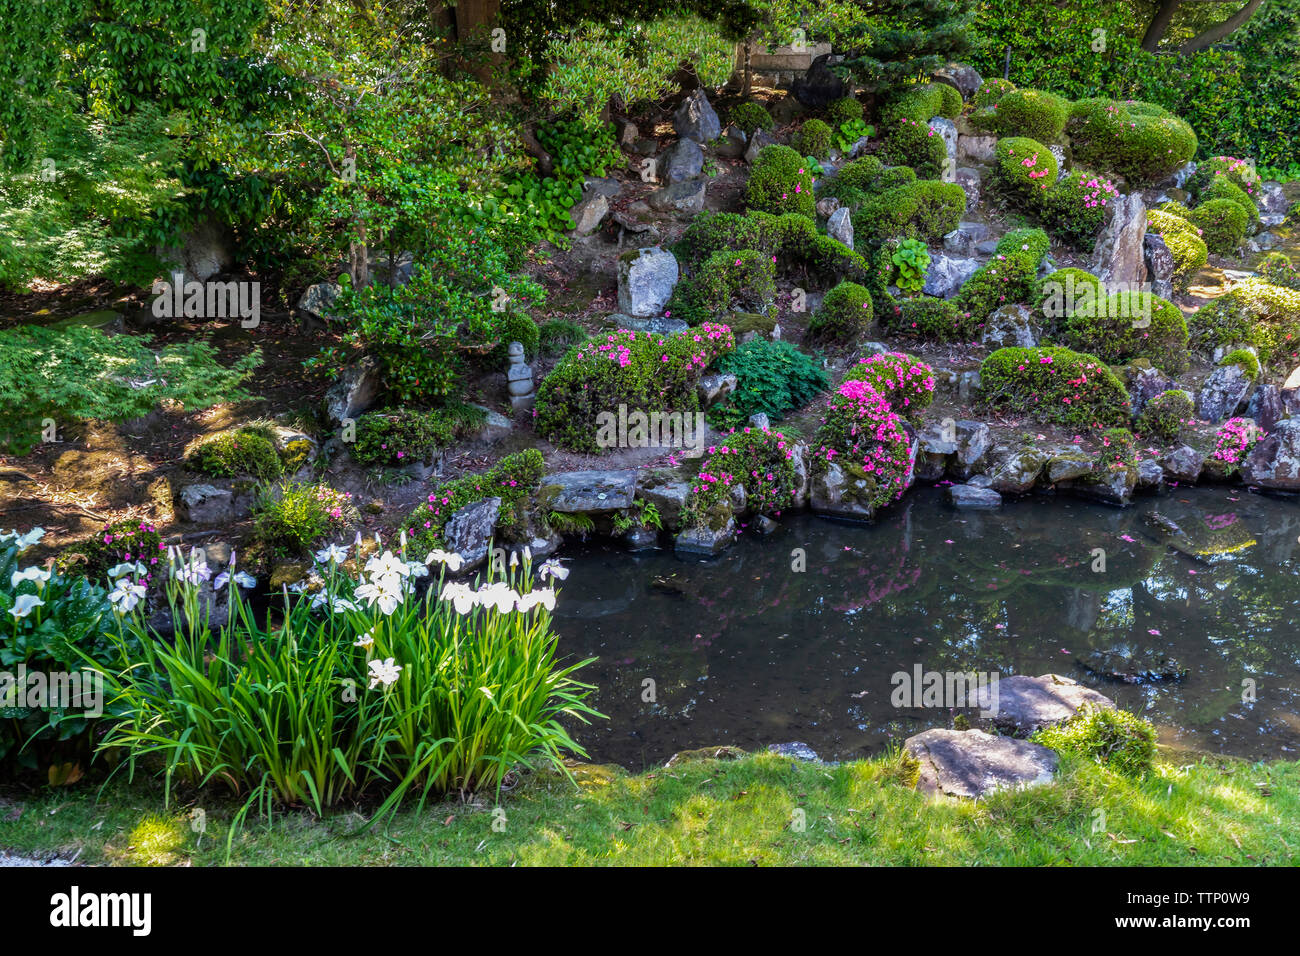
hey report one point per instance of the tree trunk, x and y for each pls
(1164, 15)
(1220, 30)
(545, 164)
(358, 254)
(747, 73)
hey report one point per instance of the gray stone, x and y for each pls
(972, 763)
(639, 538)
(1010, 326)
(760, 421)
(964, 79)
(706, 541)
(1068, 466)
(318, 299)
(765, 525)
(981, 150)
(389, 271)
(797, 750)
(760, 139)
(628, 134)
(669, 498)
(695, 119)
(961, 241)
(684, 161)
(1112, 486)
(682, 199)
(655, 324)
(206, 504)
(969, 181)
(838, 495)
(980, 481)
(1149, 475)
(937, 443)
(827, 206)
(802, 474)
(946, 275)
(947, 130)
(715, 387)
(1273, 204)
(973, 498)
(973, 442)
(1118, 256)
(840, 226)
(356, 389)
(1274, 462)
(986, 247)
(733, 143)
(1183, 463)
(495, 425)
(588, 213)
(580, 492)
(968, 386)
(1266, 407)
(1028, 704)
(1014, 471)
(1223, 392)
(1160, 265)
(469, 532)
(646, 280)
(201, 253)
(1145, 384)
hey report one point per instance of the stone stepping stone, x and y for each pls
(971, 763)
(1027, 704)
(575, 492)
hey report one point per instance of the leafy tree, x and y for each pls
(894, 41)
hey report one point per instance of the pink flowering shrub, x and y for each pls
(864, 436)
(641, 370)
(760, 460)
(513, 479)
(131, 540)
(1233, 442)
(1054, 385)
(1075, 207)
(1024, 169)
(903, 380)
(289, 520)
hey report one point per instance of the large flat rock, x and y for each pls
(971, 763)
(1027, 704)
(574, 492)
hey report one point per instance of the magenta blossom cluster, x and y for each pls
(861, 427)
(899, 378)
(1234, 440)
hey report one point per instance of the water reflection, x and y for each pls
(746, 650)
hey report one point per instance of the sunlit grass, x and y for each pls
(733, 812)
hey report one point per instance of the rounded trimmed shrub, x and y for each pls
(780, 182)
(1240, 172)
(752, 116)
(908, 138)
(1166, 414)
(865, 437)
(1129, 325)
(1253, 312)
(845, 314)
(401, 436)
(814, 139)
(844, 110)
(905, 381)
(761, 460)
(641, 370)
(1004, 279)
(1276, 268)
(1222, 223)
(1024, 169)
(925, 209)
(1032, 241)
(744, 280)
(991, 91)
(1065, 290)
(1244, 359)
(1223, 188)
(1034, 114)
(248, 451)
(1140, 141)
(1184, 241)
(935, 320)
(1054, 384)
(1076, 207)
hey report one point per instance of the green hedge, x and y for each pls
(905, 119)
(1139, 141)
(780, 182)
(1055, 385)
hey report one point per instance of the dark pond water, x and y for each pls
(744, 650)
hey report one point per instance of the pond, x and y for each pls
(758, 646)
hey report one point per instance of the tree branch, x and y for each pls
(1220, 30)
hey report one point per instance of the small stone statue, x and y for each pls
(519, 378)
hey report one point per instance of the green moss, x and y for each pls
(1115, 739)
(814, 139)
(1255, 313)
(780, 182)
(1075, 207)
(844, 110)
(844, 315)
(991, 91)
(1129, 325)
(245, 451)
(1139, 141)
(935, 320)
(1165, 415)
(1055, 385)
(1022, 112)
(1222, 223)
(752, 116)
(908, 139)
(558, 335)
(925, 209)
(1276, 267)
(1024, 169)
(1184, 242)
(1245, 359)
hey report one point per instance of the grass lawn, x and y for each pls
(713, 812)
